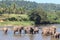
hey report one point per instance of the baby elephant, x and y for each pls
(5, 30)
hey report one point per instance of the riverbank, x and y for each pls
(15, 19)
(24, 23)
(21, 19)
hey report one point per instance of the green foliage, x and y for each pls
(31, 5)
(38, 15)
(26, 12)
(15, 17)
(12, 19)
(24, 23)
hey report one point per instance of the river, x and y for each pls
(11, 36)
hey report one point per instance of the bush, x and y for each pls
(12, 19)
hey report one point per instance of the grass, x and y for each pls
(24, 23)
(14, 15)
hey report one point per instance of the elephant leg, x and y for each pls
(31, 32)
(20, 31)
(37, 31)
(5, 32)
(51, 33)
(57, 36)
(34, 32)
(25, 31)
(15, 31)
(42, 33)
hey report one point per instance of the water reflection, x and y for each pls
(52, 38)
(17, 35)
(31, 37)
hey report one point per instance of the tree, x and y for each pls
(38, 16)
(21, 10)
(34, 16)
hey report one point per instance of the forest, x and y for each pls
(20, 12)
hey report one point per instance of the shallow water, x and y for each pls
(11, 36)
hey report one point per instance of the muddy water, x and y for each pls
(17, 36)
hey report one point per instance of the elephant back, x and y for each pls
(5, 28)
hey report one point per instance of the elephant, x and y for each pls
(36, 30)
(45, 31)
(5, 29)
(15, 29)
(28, 30)
(52, 30)
(49, 30)
(25, 28)
(18, 29)
(32, 30)
(56, 35)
